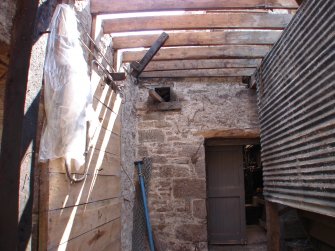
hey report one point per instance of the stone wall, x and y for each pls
(177, 194)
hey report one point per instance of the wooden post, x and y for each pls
(14, 131)
(274, 227)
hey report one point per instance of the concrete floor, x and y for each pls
(256, 237)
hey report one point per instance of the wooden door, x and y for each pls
(225, 195)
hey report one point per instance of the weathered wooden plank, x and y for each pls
(107, 117)
(138, 67)
(43, 206)
(106, 141)
(67, 224)
(98, 162)
(202, 64)
(200, 38)
(198, 21)
(18, 130)
(230, 133)
(155, 96)
(274, 227)
(225, 72)
(62, 194)
(97, 239)
(114, 245)
(105, 6)
(202, 52)
(107, 97)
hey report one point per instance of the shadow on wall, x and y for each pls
(86, 215)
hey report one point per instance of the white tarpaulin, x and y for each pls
(67, 91)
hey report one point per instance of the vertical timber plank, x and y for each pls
(274, 228)
(13, 130)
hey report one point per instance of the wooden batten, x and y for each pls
(198, 21)
(202, 52)
(202, 64)
(89, 217)
(155, 96)
(225, 72)
(105, 6)
(253, 37)
(62, 194)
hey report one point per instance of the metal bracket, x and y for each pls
(138, 67)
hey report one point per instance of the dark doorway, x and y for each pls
(253, 185)
(234, 189)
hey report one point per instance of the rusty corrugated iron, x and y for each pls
(296, 100)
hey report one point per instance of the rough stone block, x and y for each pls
(165, 172)
(154, 135)
(153, 116)
(199, 209)
(181, 171)
(191, 232)
(189, 188)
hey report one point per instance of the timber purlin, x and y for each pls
(105, 7)
(242, 20)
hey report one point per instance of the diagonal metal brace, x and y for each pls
(138, 67)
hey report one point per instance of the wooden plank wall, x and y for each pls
(86, 215)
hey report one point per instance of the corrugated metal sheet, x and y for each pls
(296, 99)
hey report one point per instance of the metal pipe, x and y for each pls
(144, 198)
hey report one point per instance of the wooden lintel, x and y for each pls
(248, 133)
(105, 6)
(138, 67)
(155, 96)
(202, 52)
(198, 21)
(166, 65)
(225, 72)
(200, 38)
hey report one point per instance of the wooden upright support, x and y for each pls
(274, 227)
(155, 96)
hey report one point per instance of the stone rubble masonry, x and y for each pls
(177, 193)
(8, 9)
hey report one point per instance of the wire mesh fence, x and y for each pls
(139, 235)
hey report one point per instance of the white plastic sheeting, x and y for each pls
(67, 91)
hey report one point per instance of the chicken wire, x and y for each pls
(139, 235)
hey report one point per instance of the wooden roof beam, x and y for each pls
(202, 64)
(201, 52)
(106, 6)
(200, 38)
(227, 72)
(198, 21)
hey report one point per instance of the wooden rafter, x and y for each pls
(106, 6)
(202, 52)
(226, 72)
(202, 64)
(200, 38)
(198, 21)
